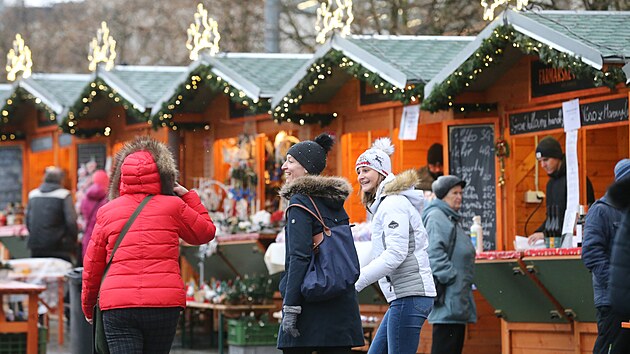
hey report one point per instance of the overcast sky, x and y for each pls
(35, 2)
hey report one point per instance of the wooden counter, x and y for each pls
(543, 297)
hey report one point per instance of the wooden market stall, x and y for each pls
(362, 84)
(357, 80)
(229, 149)
(528, 64)
(33, 139)
(112, 108)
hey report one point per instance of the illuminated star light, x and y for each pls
(19, 59)
(328, 21)
(201, 38)
(488, 9)
(102, 49)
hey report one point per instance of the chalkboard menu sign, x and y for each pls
(604, 111)
(10, 175)
(471, 157)
(590, 114)
(92, 151)
(536, 121)
(42, 144)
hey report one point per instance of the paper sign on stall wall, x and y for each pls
(573, 183)
(571, 115)
(409, 123)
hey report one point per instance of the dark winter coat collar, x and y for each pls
(562, 171)
(619, 193)
(49, 187)
(335, 188)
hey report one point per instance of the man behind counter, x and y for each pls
(433, 169)
(549, 154)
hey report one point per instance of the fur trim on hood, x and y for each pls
(335, 188)
(401, 184)
(403, 181)
(162, 157)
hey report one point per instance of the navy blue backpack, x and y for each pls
(334, 267)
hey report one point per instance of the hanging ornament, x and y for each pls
(502, 151)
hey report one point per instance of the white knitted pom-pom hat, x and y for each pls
(377, 157)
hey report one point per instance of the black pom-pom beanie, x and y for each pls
(312, 154)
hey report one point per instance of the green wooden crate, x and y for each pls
(250, 332)
(15, 343)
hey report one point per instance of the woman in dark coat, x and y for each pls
(330, 326)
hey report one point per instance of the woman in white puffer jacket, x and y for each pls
(400, 262)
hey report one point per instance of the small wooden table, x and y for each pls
(60, 309)
(30, 326)
(222, 309)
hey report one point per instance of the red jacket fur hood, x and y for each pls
(145, 271)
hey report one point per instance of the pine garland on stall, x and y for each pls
(491, 52)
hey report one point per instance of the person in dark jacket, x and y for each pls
(452, 257)
(143, 292)
(602, 222)
(51, 219)
(433, 169)
(331, 326)
(619, 284)
(549, 154)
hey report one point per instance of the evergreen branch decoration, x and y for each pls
(186, 91)
(97, 88)
(491, 52)
(21, 96)
(322, 69)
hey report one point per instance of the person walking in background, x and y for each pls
(51, 219)
(399, 262)
(602, 222)
(433, 169)
(95, 197)
(143, 293)
(549, 154)
(330, 326)
(452, 257)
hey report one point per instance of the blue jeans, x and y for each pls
(399, 331)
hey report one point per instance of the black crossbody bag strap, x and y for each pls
(451, 242)
(132, 218)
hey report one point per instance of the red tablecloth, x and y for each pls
(499, 255)
(553, 252)
(530, 253)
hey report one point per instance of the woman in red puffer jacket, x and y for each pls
(143, 293)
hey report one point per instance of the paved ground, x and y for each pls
(54, 348)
